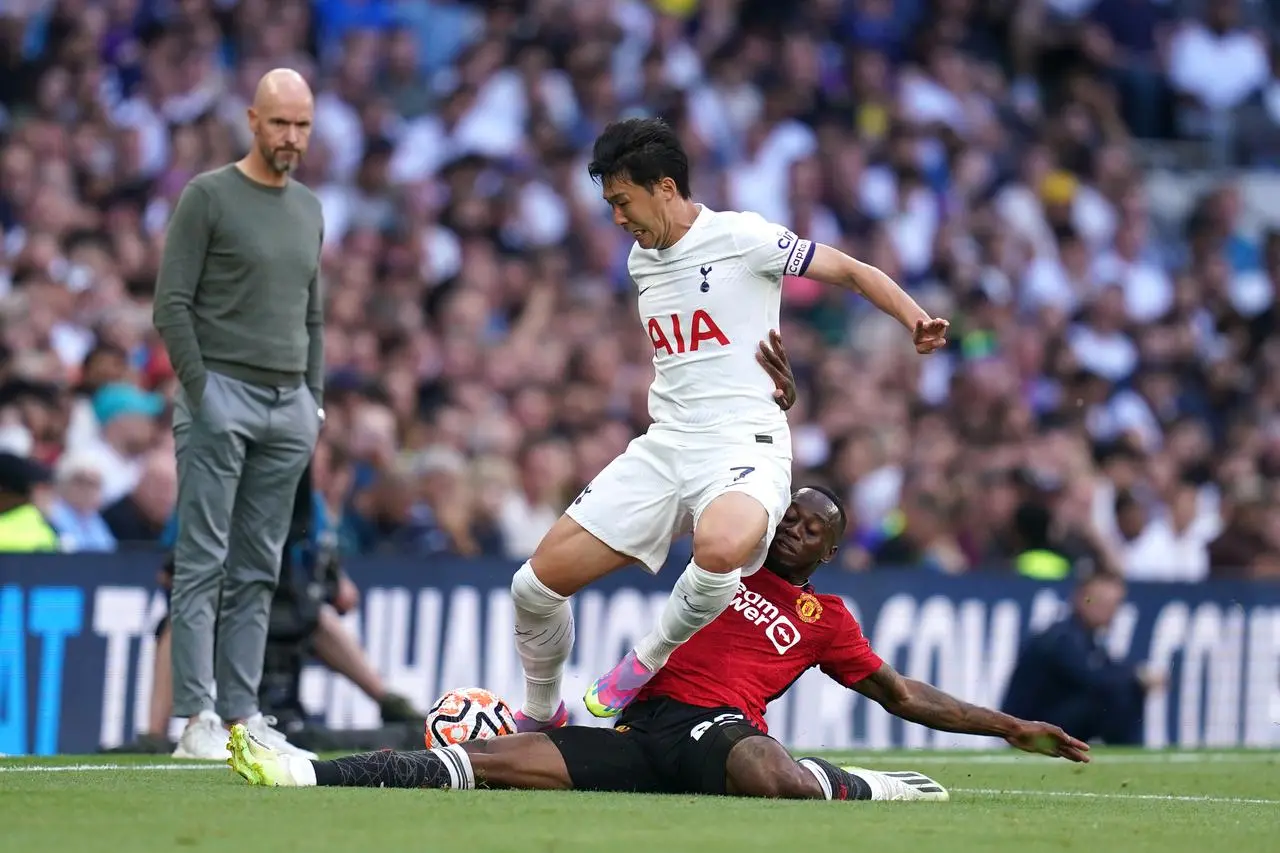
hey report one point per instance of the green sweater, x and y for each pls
(238, 291)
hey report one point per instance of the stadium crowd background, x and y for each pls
(1112, 392)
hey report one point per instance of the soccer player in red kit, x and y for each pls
(698, 726)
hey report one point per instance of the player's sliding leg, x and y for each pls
(759, 766)
(525, 762)
(762, 767)
(568, 559)
(529, 761)
(727, 534)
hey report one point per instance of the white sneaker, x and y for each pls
(203, 739)
(261, 728)
(900, 785)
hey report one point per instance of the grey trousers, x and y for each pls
(240, 456)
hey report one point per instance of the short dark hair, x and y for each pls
(643, 151)
(1125, 500)
(1085, 579)
(836, 502)
(1032, 522)
(103, 349)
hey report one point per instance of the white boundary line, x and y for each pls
(1094, 795)
(1102, 758)
(82, 768)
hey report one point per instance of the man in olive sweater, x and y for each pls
(239, 308)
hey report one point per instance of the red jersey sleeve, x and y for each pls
(849, 658)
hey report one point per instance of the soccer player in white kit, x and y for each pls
(717, 458)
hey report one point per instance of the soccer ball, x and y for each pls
(468, 713)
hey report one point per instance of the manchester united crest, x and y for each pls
(808, 608)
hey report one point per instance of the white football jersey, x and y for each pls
(707, 302)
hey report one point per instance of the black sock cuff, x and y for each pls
(844, 785)
(327, 773)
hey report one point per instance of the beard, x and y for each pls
(282, 160)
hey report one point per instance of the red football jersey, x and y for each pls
(771, 633)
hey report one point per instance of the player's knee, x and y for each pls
(518, 761)
(781, 784)
(720, 549)
(761, 767)
(479, 746)
(718, 554)
(531, 595)
(799, 784)
(728, 532)
(791, 783)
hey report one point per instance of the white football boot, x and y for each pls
(262, 729)
(259, 764)
(900, 785)
(203, 739)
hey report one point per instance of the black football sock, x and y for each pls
(837, 784)
(449, 767)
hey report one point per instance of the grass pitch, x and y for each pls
(1127, 802)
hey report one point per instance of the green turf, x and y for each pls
(1116, 804)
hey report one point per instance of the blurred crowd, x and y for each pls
(1113, 386)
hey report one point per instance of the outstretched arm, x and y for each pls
(832, 266)
(925, 704)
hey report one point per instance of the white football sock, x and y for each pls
(301, 769)
(698, 598)
(461, 775)
(824, 781)
(544, 636)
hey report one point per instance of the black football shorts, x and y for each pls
(659, 746)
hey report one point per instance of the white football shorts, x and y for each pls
(659, 487)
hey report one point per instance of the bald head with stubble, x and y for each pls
(281, 118)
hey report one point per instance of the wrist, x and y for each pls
(913, 315)
(914, 318)
(1006, 726)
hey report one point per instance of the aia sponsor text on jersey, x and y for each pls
(674, 334)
